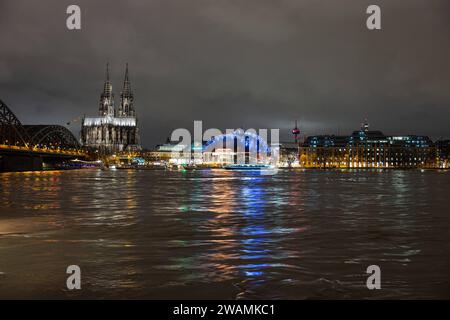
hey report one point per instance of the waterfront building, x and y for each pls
(221, 156)
(239, 147)
(368, 149)
(443, 150)
(236, 147)
(170, 152)
(113, 130)
(288, 154)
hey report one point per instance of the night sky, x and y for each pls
(236, 63)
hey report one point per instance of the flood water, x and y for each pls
(225, 235)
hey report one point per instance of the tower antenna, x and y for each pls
(107, 71)
(296, 132)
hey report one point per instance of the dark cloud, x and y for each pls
(252, 63)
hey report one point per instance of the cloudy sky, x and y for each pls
(233, 63)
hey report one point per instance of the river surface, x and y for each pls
(225, 235)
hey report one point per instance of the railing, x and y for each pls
(43, 150)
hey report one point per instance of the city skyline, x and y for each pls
(278, 63)
(226, 158)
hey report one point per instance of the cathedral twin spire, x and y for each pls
(126, 108)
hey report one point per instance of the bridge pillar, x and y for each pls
(15, 163)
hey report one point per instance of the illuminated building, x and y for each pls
(113, 130)
(222, 156)
(238, 147)
(232, 148)
(168, 153)
(368, 149)
(443, 149)
(288, 154)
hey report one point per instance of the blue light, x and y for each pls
(245, 139)
(138, 160)
(253, 273)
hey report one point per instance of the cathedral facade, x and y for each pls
(113, 130)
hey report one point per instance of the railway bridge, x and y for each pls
(28, 147)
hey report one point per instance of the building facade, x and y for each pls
(443, 149)
(369, 149)
(113, 130)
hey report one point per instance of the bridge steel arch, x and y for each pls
(12, 131)
(52, 136)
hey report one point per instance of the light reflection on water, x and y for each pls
(221, 234)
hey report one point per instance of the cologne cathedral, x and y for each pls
(113, 130)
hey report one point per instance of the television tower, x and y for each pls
(296, 132)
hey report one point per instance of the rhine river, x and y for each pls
(225, 235)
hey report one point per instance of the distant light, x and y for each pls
(121, 122)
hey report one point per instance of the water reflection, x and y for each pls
(221, 234)
(242, 221)
(32, 182)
